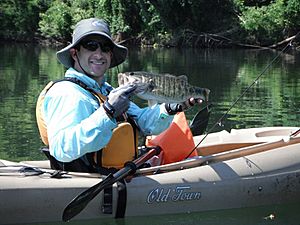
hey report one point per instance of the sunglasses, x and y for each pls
(92, 45)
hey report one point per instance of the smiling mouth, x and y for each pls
(98, 62)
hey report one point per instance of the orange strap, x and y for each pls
(176, 142)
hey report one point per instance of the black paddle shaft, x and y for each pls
(81, 200)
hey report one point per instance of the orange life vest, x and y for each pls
(121, 148)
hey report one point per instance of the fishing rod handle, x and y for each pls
(152, 152)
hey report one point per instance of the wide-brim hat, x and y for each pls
(88, 27)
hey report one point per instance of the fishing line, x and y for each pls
(295, 133)
(219, 121)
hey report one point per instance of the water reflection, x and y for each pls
(275, 215)
(273, 101)
(24, 71)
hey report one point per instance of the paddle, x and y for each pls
(81, 201)
(199, 122)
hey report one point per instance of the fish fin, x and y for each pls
(182, 77)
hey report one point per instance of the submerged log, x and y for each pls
(285, 41)
(190, 38)
(208, 40)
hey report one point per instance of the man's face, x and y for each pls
(94, 55)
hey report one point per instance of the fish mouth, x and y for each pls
(142, 87)
(123, 79)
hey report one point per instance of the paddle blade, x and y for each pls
(81, 201)
(200, 121)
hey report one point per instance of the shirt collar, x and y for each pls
(71, 72)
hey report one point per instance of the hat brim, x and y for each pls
(119, 52)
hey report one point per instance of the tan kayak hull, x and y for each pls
(268, 174)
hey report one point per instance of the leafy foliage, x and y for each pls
(56, 20)
(272, 22)
(18, 19)
(197, 15)
(292, 15)
(260, 21)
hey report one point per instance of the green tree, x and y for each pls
(292, 16)
(184, 21)
(59, 20)
(269, 23)
(197, 15)
(19, 19)
(56, 21)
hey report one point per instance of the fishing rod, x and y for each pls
(219, 121)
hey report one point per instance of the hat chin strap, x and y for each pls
(86, 73)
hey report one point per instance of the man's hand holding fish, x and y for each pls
(173, 108)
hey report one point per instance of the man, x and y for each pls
(87, 125)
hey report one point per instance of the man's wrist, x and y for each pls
(108, 109)
(173, 108)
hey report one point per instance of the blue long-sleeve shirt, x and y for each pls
(77, 124)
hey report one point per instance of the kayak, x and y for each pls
(238, 169)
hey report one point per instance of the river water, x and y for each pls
(274, 100)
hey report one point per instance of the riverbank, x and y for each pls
(187, 38)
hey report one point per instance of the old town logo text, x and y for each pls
(182, 193)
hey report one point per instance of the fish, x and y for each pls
(162, 88)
